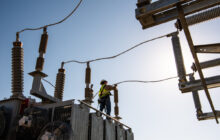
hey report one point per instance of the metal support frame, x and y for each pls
(195, 57)
(165, 10)
(199, 112)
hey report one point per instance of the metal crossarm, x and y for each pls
(163, 11)
(195, 57)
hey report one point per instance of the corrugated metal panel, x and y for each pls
(129, 135)
(80, 122)
(96, 127)
(110, 133)
(121, 135)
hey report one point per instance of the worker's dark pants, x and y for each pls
(106, 103)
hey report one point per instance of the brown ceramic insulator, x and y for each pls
(39, 64)
(116, 96)
(88, 75)
(116, 109)
(17, 69)
(87, 93)
(43, 43)
(59, 87)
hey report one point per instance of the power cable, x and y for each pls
(111, 57)
(139, 81)
(154, 81)
(52, 24)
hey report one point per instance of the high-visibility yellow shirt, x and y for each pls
(103, 91)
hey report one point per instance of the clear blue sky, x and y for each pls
(100, 28)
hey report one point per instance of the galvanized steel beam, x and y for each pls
(208, 116)
(207, 64)
(212, 82)
(210, 48)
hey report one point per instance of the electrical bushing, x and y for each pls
(39, 64)
(59, 87)
(88, 75)
(43, 42)
(17, 69)
(116, 96)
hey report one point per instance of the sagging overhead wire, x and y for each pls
(154, 81)
(139, 81)
(52, 24)
(111, 57)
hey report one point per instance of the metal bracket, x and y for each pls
(38, 89)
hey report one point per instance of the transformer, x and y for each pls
(52, 119)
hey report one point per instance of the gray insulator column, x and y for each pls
(17, 69)
(60, 80)
(178, 57)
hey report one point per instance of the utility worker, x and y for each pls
(104, 96)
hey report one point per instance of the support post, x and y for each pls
(196, 98)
